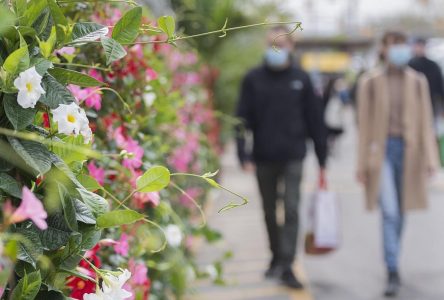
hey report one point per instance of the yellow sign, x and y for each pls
(326, 62)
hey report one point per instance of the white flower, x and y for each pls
(149, 98)
(71, 119)
(28, 83)
(173, 235)
(211, 271)
(112, 288)
(92, 297)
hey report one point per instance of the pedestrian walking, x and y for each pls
(433, 74)
(278, 105)
(335, 97)
(397, 150)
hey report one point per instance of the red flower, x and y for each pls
(79, 287)
(46, 122)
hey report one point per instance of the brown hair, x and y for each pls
(393, 36)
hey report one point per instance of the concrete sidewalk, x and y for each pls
(355, 271)
(244, 234)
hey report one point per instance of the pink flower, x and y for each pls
(134, 175)
(77, 92)
(122, 246)
(193, 192)
(137, 50)
(91, 96)
(135, 159)
(151, 74)
(95, 74)
(30, 208)
(97, 173)
(119, 137)
(190, 58)
(139, 272)
(140, 199)
(94, 99)
(180, 159)
(66, 50)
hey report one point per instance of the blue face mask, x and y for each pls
(399, 55)
(277, 58)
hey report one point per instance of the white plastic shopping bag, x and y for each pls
(326, 220)
(324, 226)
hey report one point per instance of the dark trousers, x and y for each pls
(283, 239)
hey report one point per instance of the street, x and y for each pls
(353, 272)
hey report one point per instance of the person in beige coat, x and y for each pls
(397, 150)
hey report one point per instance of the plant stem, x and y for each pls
(84, 66)
(222, 30)
(204, 219)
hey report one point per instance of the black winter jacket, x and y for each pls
(282, 111)
(432, 72)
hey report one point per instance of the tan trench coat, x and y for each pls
(421, 153)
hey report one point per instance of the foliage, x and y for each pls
(104, 113)
(79, 183)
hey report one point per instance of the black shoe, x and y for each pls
(289, 279)
(393, 284)
(274, 271)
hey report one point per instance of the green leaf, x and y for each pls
(77, 244)
(47, 47)
(28, 287)
(127, 28)
(89, 183)
(83, 213)
(43, 24)
(153, 180)
(61, 166)
(31, 248)
(88, 31)
(97, 204)
(113, 50)
(72, 253)
(65, 76)
(69, 211)
(34, 154)
(17, 61)
(10, 186)
(212, 182)
(6, 17)
(57, 234)
(41, 65)
(33, 11)
(118, 217)
(59, 20)
(19, 8)
(90, 238)
(167, 24)
(19, 117)
(56, 93)
(69, 153)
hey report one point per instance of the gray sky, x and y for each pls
(323, 16)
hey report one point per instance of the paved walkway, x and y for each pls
(354, 272)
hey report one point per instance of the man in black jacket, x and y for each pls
(279, 106)
(432, 72)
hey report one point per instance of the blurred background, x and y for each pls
(339, 40)
(339, 36)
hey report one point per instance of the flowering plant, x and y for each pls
(93, 116)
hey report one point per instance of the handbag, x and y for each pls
(323, 235)
(334, 113)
